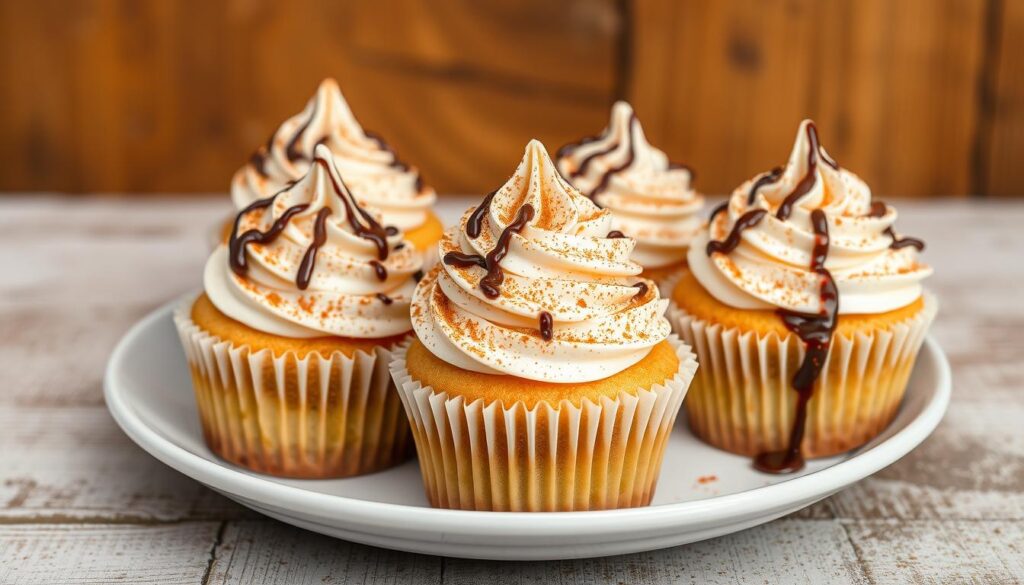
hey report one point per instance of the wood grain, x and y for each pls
(892, 86)
(1000, 155)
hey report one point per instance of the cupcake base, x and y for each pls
(320, 408)
(584, 451)
(742, 399)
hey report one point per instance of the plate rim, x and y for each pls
(364, 514)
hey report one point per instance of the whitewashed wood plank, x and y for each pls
(938, 552)
(785, 551)
(178, 553)
(75, 464)
(271, 552)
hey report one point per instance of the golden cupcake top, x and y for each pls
(376, 176)
(652, 199)
(309, 261)
(763, 246)
(532, 285)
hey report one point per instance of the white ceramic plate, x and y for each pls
(702, 492)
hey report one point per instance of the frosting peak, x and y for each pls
(310, 261)
(653, 200)
(759, 249)
(372, 170)
(531, 285)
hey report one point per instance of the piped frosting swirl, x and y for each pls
(309, 262)
(767, 233)
(530, 285)
(376, 176)
(652, 199)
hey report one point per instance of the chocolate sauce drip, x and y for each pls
(385, 298)
(642, 286)
(547, 326)
(490, 284)
(464, 260)
(475, 222)
(568, 149)
(372, 231)
(237, 243)
(878, 209)
(290, 149)
(258, 160)
(383, 145)
(418, 275)
(615, 234)
(379, 270)
(770, 177)
(399, 246)
(745, 222)
(815, 330)
(718, 209)
(391, 230)
(807, 182)
(899, 243)
(305, 273)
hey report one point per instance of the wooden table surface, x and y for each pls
(79, 502)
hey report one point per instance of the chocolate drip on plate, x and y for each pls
(547, 326)
(815, 330)
(305, 273)
(490, 284)
(745, 222)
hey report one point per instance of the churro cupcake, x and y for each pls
(289, 344)
(806, 311)
(544, 376)
(652, 199)
(379, 180)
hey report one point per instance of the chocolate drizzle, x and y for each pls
(878, 209)
(615, 234)
(718, 209)
(237, 243)
(305, 273)
(745, 222)
(807, 182)
(768, 178)
(642, 289)
(815, 330)
(372, 231)
(611, 172)
(476, 219)
(379, 270)
(490, 284)
(899, 243)
(463, 260)
(547, 326)
(290, 149)
(385, 298)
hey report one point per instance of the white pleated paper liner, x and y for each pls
(563, 457)
(742, 398)
(311, 417)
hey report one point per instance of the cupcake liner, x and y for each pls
(596, 455)
(743, 401)
(311, 417)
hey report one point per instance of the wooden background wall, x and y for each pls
(920, 97)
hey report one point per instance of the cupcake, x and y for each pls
(379, 180)
(544, 376)
(806, 311)
(289, 344)
(652, 200)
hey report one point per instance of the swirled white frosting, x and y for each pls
(771, 266)
(651, 200)
(561, 263)
(342, 295)
(379, 181)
